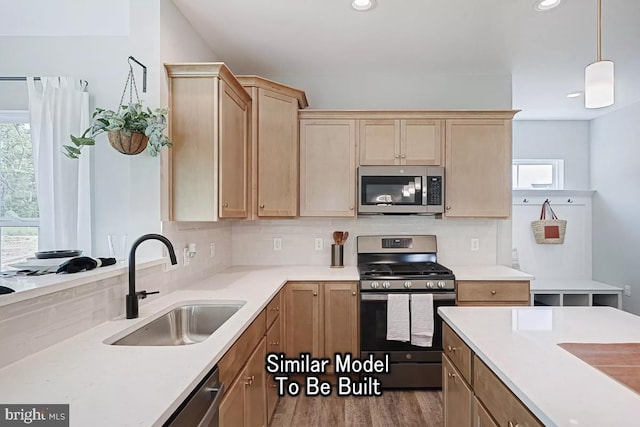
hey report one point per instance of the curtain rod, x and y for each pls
(24, 79)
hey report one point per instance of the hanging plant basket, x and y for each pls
(126, 142)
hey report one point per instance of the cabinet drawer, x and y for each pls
(234, 359)
(274, 337)
(505, 408)
(493, 293)
(457, 351)
(273, 309)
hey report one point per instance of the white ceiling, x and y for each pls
(545, 53)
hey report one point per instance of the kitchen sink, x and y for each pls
(184, 325)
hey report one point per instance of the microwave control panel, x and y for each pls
(434, 190)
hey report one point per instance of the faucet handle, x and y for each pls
(143, 294)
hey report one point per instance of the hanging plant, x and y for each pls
(130, 129)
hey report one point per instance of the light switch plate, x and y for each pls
(627, 290)
(319, 243)
(475, 244)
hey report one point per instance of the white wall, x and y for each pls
(615, 173)
(376, 90)
(557, 139)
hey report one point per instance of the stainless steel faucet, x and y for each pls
(133, 296)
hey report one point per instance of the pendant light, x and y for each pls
(598, 76)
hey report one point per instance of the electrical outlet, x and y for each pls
(319, 243)
(277, 244)
(185, 256)
(212, 250)
(475, 244)
(627, 290)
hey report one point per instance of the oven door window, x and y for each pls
(391, 190)
(373, 328)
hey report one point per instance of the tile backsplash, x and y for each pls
(253, 241)
(37, 323)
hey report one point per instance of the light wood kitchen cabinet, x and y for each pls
(400, 142)
(327, 167)
(321, 318)
(274, 345)
(274, 146)
(245, 404)
(207, 167)
(457, 396)
(478, 168)
(480, 400)
(492, 292)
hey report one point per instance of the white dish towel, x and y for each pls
(422, 324)
(398, 317)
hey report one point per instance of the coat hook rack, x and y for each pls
(144, 72)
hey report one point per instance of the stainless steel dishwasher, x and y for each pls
(201, 407)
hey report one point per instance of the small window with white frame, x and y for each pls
(538, 174)
(19, 224)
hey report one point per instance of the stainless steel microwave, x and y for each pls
(400, 190)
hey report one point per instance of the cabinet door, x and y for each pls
(478, 168)
(340, 319)
(327, 167)
(234, 145)
(421, 142)
(274, 345)
(481, 417)
(277, 154)
(255, 398)
(303, 319)
(232, 412)
(379, 142)
(457, 397)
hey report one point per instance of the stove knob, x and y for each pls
(386, 284)
(374, 285)
(407, 284)
(440, 284)
(430, 284)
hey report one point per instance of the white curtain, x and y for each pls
(59, 107)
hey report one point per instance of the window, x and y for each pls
(18, 202)
(534, 173)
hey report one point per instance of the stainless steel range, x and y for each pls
(401, 265)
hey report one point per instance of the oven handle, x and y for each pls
(447, 296)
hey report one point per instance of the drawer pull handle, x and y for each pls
(350, 208)
(404, 156)
(275, 343)
(512, 424)
(226, 205)
(452, 376)
(249, 380)
(275, 308)
(315, 294)
(353, 293)
(493, 292)
(274, 385)
(452, 349)
(261, 206)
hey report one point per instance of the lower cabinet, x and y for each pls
(457, 396)
(321, 319)
(488, 403)
(250, 399)
(492, 292)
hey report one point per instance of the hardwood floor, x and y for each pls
(393, 408)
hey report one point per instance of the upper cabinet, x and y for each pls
(478, 167)
(274, 146)
(400, 141)
(327, 167)
(208, 125)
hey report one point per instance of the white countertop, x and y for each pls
(488, 272)
(142, 386)
(572, 286)
(520, 346)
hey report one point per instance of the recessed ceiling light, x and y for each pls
(363, 5)
(545, 5)
(574, 94)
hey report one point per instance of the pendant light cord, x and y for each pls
(599, 30)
